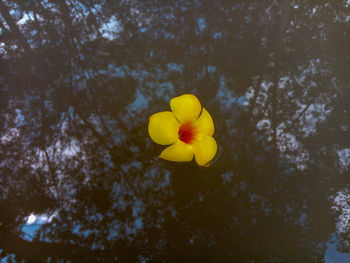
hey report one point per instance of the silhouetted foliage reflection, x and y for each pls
(79, 80)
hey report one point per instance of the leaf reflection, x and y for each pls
(78, 79)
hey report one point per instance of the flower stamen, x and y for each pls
(187, 132)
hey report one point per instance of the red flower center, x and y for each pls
(187, 132)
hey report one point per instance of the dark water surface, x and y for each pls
(79, 79)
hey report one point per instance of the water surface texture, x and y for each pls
(80, 180)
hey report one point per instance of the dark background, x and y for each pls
(79, 79)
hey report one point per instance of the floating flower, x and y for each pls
(188, 128)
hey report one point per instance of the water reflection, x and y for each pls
(79, 80)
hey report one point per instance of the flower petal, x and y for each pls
(186, 107)
(205, 124)
(178, 152)
(163, 127)
(204, 149)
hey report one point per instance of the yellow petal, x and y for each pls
(205, 124)
(204, 149)
(186, 107)
(163, 127)
(178, 152)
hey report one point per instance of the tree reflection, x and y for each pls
(80, 79)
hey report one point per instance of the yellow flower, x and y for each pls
(188, 128)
